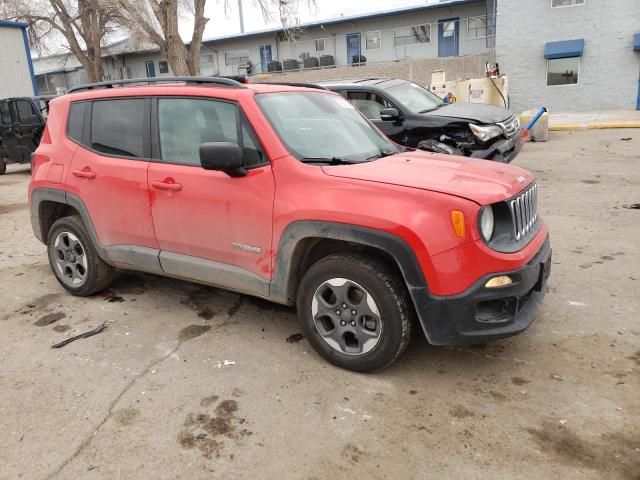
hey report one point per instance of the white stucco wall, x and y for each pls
(15, 76)
(609, 68)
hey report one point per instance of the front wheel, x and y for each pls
(355, 312)
(74, 259)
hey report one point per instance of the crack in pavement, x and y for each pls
(87, 441)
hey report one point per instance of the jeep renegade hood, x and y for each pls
(474, 112)
(481, 181)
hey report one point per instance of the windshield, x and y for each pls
(317, 126)
(414, 97)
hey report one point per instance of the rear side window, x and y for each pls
(25, 111)
(117, 127)
(76, 121)
(5, 113)
(184, 124)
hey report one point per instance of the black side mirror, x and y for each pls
(389, 114)
(225, 156)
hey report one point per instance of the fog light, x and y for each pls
(500, 281)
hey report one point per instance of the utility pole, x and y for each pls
(241, 16)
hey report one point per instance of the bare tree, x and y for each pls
(158, 21)
(82, 23)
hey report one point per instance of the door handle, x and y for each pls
(84, 173)
(172, 186)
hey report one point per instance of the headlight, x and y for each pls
(486, 132)
(486, 222)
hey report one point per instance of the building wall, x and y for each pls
(609, 69)
(417, 70)
(15, 74)
(335, 39)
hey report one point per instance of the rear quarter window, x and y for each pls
(75, 123)
(117, 127)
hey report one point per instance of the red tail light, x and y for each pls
(46, 138)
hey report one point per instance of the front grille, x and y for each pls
(524, 211)
(510, 126)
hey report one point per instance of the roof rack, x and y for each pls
(148, 81)
(297, 84)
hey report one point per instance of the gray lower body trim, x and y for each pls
(214, 273)
(38, 196)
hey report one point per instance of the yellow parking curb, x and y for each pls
(630, 124)
(566, 127)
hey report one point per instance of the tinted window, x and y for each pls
(368, 103)
(25, 111)
(5, 113)
(117, 127)
(414, 97)
(76, 121)
(184, 124)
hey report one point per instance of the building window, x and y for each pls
(412, 35)
(477, 27)
(163, 66)
(373, 40)
(239, 57)
(563, 71)
(566, 3)
(320, 45)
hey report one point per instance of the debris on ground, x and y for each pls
(49, 319)
(90, 333)
(626, 139)
(632, 206)
(295, 338)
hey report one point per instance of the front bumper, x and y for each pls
(480, 314)
(503, 151)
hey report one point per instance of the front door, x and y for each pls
(265, 57)
(353, 48)
(448, 37)
(151, 69)
(370, 104)
(109, 173)
(210, 226)
(28, 128)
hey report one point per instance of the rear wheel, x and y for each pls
(74, 260)
(355, 312)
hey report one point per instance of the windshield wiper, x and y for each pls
(381, 154)
(434, 108)
(330, 161)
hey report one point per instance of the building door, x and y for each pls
(353, 47)
(265, 57)
(151, 68)
(448, 37)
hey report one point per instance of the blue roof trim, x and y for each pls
(636, 42)
(27, 52)
(564, 49)
(6, 23)
(347, 19)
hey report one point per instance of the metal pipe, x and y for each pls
(241, 16)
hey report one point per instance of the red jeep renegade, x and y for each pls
(289, 194)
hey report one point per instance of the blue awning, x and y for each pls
(564, 49)
(636, 42)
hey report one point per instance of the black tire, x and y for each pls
(389, 294)
(3, 166)
(97, 274)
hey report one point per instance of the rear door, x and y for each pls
(210, 226)
(9, 146)
(109, 172)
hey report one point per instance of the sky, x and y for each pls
(220, 24)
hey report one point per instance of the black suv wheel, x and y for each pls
(3, 166)
(355, 312)
(74, 260)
